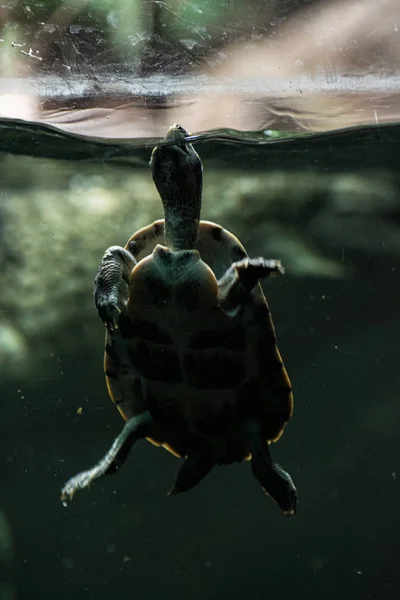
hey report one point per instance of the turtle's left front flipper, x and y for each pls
(241, 277)
(111, 284)
(137, 427)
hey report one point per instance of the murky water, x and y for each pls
(328, 205)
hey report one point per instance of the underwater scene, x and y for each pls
(199, 300)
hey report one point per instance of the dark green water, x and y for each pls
(339, 339)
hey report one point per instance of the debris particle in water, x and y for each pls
(31, 54)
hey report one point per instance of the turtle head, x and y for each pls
(178, 175)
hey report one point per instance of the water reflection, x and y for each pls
(297, 67)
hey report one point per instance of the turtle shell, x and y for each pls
(199, 371)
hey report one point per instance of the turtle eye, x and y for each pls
(179, 128)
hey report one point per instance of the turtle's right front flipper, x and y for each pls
(241, 277)
(111, 284)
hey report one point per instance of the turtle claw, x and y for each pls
(111, 322)
(78, 482)
(250, 270)
(108, 311)
(66, 496)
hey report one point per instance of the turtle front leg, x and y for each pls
(111, 284)
(276, 482)
(241, 277)
(137, 427)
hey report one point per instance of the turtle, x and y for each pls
(191, 359)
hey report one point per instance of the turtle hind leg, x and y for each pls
(241, 277)
(193, 470)
(276, 482)
(137, 427)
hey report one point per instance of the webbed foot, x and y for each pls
(137, 427)
(241, 277)
(250, 270)
(276, 482)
